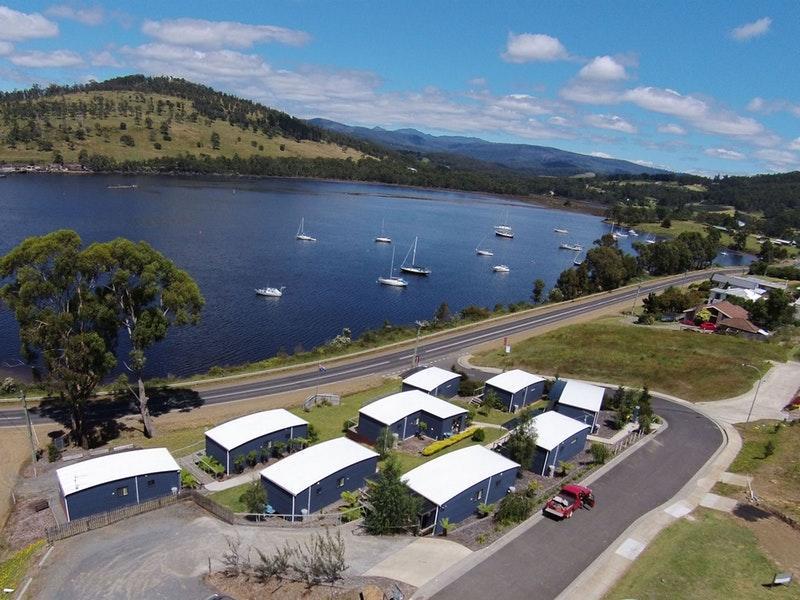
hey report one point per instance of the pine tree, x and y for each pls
(390, 504)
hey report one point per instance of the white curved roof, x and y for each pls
(298, 471)
(514, 380)
(431, 378)
(113, 467)
(552, 428)
(239, 431)
(397, 406)
(582, 395)
(447, 476)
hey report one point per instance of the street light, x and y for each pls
(758, 386)
(420, 325)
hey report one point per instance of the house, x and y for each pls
(581, 401)
(724, 281)
(115, 481)
(718, 293)
(433, 381)
(516, 388)
(309, 480)
(402, 414)
(558, 437)
(236, 438)
(453, 485)
(727, 317)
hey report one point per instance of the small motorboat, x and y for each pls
(501, 269)
(633, 232)
(271, 291)
(559, 230)
(573, 247)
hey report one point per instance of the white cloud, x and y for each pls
(200, 33)
(54, 59)
(612, 122)
(748, 31)
(672, 129)
(761, 105)
(590, 92)
(795, 144)
(17, 26)
(779, 160)
(533, 47)
(724, 153)
(104, 58)
(560, 121)
(88, 16)
(600, 155)
(6, 48)
(478, 82)
(603, 68)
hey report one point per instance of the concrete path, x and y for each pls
(218, 486)
(420, 561)
(778, 387)
(717, 502)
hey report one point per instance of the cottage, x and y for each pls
(558, 438)
(724, 280)
(240, 436)
(727, 317)
(581, 401)
(115, 481)
(311, 479)
(516, 388)
(434, 381)
(403, 413)
(453, 485)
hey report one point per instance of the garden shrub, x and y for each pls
(446, 443)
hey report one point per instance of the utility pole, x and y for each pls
(420, 325)
(23, 398)
(758, 387)
(636, 298)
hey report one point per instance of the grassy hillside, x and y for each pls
(139, 126)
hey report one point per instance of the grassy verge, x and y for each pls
(230, 498)
(712, 557)
(14, 568)
(679, 227)
(689, 365)
(410, 461)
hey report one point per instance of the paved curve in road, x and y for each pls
(396, 360)
(544, 560)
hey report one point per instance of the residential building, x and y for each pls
(516, 388)
(581, 401)
(434, 381)
(403, 413)
(558, 438)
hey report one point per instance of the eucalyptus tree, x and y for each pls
(62, 322)
(147, 294)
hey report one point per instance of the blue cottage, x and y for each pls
(433, 381)
(115, 481)
(453, 485)
(309, 480)
(558, 438)
(402, 414)
(581, 401)
(238, 437)
(516, 388)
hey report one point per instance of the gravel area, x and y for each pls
(350, 588)
(606, 424)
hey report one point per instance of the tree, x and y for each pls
(773, 312)
(702, 316)
(538, 290)
(666, 223)
(600, 452)
(442, 313)
(60, 319)
(521, 444)
(254, 497)
(390, 504)
(384, 443)
(215, 140)
(740, 239)
(146, 294)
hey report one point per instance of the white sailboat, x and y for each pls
(271, 291)
(633, 232)
(483, 251)
(568, 246)
(504, 230)
(391, 279)
(617, 234)
(301, 234)
(383, 238)
(650, 240)
(413, 268)
(575, 260)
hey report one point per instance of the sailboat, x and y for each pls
(650, 240)
(413, 268)
(616, 234)
(301, 234)
(575, 260)
(483, 251)
(271, 291)
(560, 230)
(567, 246)
(633, 232)
(504, 230)
(391, 279)
(383, 238)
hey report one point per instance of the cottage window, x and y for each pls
(480, 495)
(151, 482)
(340, 482)
(121, 491)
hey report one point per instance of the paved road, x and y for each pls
(392, 362)
(543, 561)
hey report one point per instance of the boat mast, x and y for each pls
(414, 255)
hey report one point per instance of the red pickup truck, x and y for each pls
(568, 500)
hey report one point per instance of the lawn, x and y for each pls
(14, 568)
(679, 227)
(711, 557)
(692, 366)
(230, 498)
(776, 477)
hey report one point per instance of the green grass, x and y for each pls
(712, 558)
(14, 568)
(410, 461)
(679, 227)
(688, 365)
(230, 498)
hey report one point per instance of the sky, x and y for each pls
(702, 87)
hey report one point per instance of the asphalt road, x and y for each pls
(543, 561)
(389, 362)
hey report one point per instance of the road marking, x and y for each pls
(630, 549)
(678, 510)
(11, 418)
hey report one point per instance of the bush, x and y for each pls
(600, 453)
(254, 497)
(264, 454)
(188, 481)
(446, 443)
(514, 508)
(533, 489)
(484, 510)
(238, 464)
(313, 435)
(52, 453)
(447, 526)
(479, 435)
(565, 467)
(769, 449)
(211, 465)
(252, 458)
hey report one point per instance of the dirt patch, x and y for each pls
(26, 524)
(355, 588)
(779, 541)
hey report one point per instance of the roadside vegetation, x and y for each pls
(692, 366)
(710, 556)
(13, 569)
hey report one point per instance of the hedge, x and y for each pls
(445, 443)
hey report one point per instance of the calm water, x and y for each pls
(234, 236)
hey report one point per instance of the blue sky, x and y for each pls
(707, 87)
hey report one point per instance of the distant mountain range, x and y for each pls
(526, 159)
